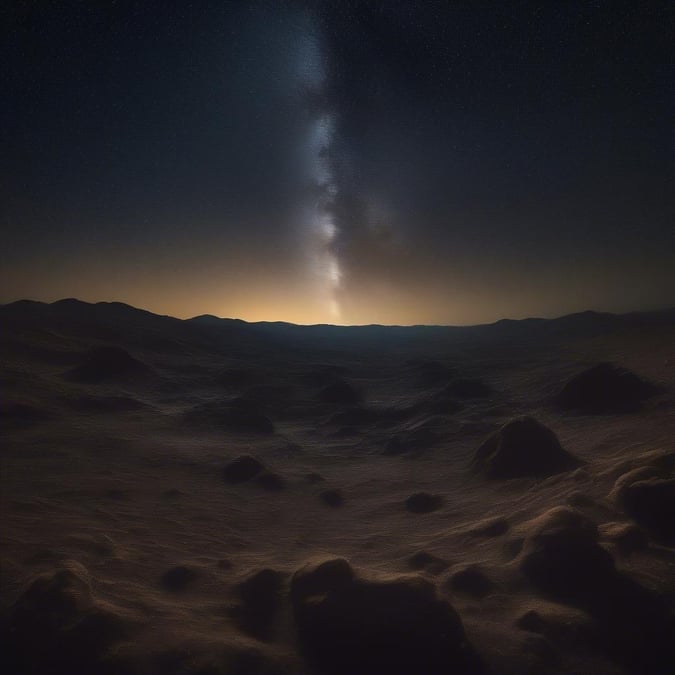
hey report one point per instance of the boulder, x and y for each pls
(396, 626)
(523, 448)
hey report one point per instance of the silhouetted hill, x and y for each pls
(116, 322)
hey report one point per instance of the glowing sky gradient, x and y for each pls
(340, 161)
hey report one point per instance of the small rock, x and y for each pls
(242, 469)
(423, 502)
(332, 498)
(178, 578)
(272, 482)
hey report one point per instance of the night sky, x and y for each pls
(344, 162)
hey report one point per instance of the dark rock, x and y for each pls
(470, 580)
(396, 626)
(241, 469)
(420, 560)
(178, 578)
(604, 389)
(319, 576)
(523, 447)
(423, 502)
(272, 482)
(339, 392)
(332, 498)
(260, 599)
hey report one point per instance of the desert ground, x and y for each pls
(208, 496)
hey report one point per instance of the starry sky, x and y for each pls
(341, 161)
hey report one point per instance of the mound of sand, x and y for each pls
(56, 625)
(108, 364)
(523, 447)
(631, 624)
(603, 389)
(561, 554)
(397, 626)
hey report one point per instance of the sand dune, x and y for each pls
(209, 496)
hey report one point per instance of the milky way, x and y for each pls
(319, 227)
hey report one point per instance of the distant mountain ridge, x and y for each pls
(27, 321)
(666, 315)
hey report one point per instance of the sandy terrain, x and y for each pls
(209, 496)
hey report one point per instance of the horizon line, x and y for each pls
(659, 310)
